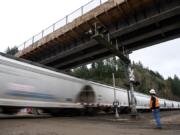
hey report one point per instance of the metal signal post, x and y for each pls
(101, 35)
(116, 102)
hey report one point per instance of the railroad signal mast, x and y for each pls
(116, 102)
(131, 84)
(102, 36)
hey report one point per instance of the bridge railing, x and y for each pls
(62, 22)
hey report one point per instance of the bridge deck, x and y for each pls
(134, 24)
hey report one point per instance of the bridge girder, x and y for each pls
(134, 24)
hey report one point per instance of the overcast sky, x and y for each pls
(21, 19)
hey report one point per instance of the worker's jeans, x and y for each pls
(157, 117)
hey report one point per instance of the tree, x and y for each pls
(11, 51)
(102, 70)
(175, 86)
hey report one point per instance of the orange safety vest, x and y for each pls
(156, 104)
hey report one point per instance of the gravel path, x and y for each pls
(97, 125)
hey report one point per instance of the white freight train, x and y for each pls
(25, 85)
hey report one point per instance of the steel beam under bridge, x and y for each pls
(134, 24)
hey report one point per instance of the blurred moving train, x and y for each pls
(24, 84)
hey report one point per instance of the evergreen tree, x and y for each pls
(11, 51)
(102, 71)
(175, 86)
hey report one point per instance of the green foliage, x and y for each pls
(174, 85)
(11, 51)
(101, 71)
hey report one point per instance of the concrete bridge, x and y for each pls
(127, 24)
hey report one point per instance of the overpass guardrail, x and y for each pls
(62, 22)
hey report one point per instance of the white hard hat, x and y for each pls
(152, 91)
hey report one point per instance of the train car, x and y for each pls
(28, 85)
(142, 101)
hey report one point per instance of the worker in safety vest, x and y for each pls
(154, 106)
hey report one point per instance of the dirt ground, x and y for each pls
(94, 125)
